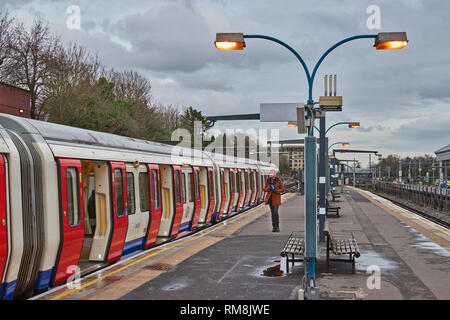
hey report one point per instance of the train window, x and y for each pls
(238, 183)
(232, 181)
(155, 194)
(246, 180)
(177, 187)
(191, 187)
(197, 185)
(252, 180)
(183, 182)
(131, 201)
(73, 214)
(118, 188)
(221, 183)
(211, 182)
(144, 191)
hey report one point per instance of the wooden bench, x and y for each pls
(341, 245)
(294, 246)
(332, 210)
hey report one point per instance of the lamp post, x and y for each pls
(236, 41)
(323, 163)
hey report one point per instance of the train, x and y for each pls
(75, 199)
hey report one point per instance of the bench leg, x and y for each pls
(328, 253)
(353, 264)
(287, 264)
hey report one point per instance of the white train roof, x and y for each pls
(66, 141)
(72, 142)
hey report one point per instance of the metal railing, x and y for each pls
(426, 196)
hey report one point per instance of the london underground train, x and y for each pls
(75, 199)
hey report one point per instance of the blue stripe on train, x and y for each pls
(133, 245)
(8, 290)
(185, 226)
(43, 280)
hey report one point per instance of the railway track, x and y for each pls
(415, 211)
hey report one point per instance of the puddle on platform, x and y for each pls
(422, 242)
(177, 285)
(373, 258)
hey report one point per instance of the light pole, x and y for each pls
(333, 173)
(235, 41)
(323, 163)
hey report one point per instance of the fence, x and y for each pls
(426, 196)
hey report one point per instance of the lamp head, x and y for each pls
(354, 125)
(229, 41)
(390, 40)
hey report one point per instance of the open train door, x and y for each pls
(71, 220)
(197, 198)
(222, 193)
(240, 189)
(3, 222)
(211, 194)
(119, 210)
(232, 182)
(155, 211)
(178, 201)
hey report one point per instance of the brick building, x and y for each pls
(14, 100)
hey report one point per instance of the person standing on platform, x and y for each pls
(274, 187)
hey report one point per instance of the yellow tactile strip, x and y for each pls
(441, 237)
(133, 274)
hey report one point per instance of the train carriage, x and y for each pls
(81, 199)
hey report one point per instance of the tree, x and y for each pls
(29, 55)
(5, 38)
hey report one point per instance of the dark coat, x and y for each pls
(276, 195)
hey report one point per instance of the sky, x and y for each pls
(400, 97)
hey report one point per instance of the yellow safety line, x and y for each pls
(145, 258)
(414, 216)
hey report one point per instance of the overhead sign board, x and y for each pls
(279, 112)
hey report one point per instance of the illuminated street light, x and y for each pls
(344, 144)
(390, 40)
(229, 41)
(354, 125)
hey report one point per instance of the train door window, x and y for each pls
(252, 181)
(73, 213)
(184, 186)
(144, 191)
(238, 183)
(232, 181)
(177, 187)
(118, 188)
(210, 191)
(221, 182)
(131, 201)
(155, 194)
(197, 185)
(246, 180)
(191, 187)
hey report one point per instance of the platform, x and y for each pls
(226, 262)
